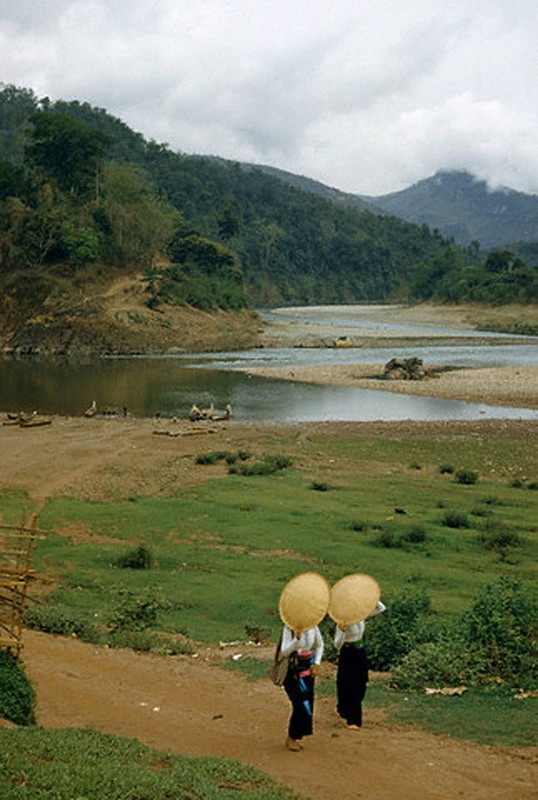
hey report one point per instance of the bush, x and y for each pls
(137, 611)
(138, 558)
(415, 535)
(446, 469)
(257, 633)
(357, 526)
(54, 619)
(455, 519)
(432, 664)
(17, 696)
(212, 457)
(501, 631)
(498, 537)
(403, 626)
(266, 466)
(319, 486)
(467, 477)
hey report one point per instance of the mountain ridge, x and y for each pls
(464, 208)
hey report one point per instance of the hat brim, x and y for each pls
(304, 601)
(353, 598)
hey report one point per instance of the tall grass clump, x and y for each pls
(455, 519)
(138, 558)
(467, 477)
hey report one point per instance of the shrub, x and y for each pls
(257, 633)
(266, 466)
(430, 664)
(137, 558)
(143, 641)
(212, 457)
(467, 477)
(415, 535)
(501, 631)
(54, 619)
(137, 611)
(446, 469)
(319, 486)
(498, 537)
(17, 696)
(357, 526)
(393, 634)
(387, 539)
(455, 519)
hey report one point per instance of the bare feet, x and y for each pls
(293, 744)
(353, 727)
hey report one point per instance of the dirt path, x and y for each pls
(183, 705)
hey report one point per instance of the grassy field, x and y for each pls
(224, 548)
(441, 515)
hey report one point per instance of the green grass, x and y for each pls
(224, 549)
(37, 764)
(483, 715)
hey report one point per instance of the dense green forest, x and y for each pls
(82, 194)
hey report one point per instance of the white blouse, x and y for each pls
(310, 639)
(355, 632)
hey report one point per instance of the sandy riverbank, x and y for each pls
(381, 327)
(516, 387)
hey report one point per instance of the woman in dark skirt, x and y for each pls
(352, 673)
(304, 651)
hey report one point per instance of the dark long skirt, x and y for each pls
(351, 680)
(301, 694)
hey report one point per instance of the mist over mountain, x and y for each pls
(464, 208)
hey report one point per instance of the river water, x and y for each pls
(168, 385)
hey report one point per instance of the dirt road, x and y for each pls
(183, 705)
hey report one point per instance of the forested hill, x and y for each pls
(293, 246)
(83, 197)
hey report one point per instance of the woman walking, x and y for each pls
(352, 672)
(304, 651)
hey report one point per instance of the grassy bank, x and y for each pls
(40, 765)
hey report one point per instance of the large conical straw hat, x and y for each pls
(353, 598)
(304, 601)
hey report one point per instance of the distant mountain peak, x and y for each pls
(466, 208)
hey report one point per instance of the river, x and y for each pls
(168, 385)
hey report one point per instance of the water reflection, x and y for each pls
(169, 386)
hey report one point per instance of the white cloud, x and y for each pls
(365, 95)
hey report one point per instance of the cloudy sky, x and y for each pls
(368, 96)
